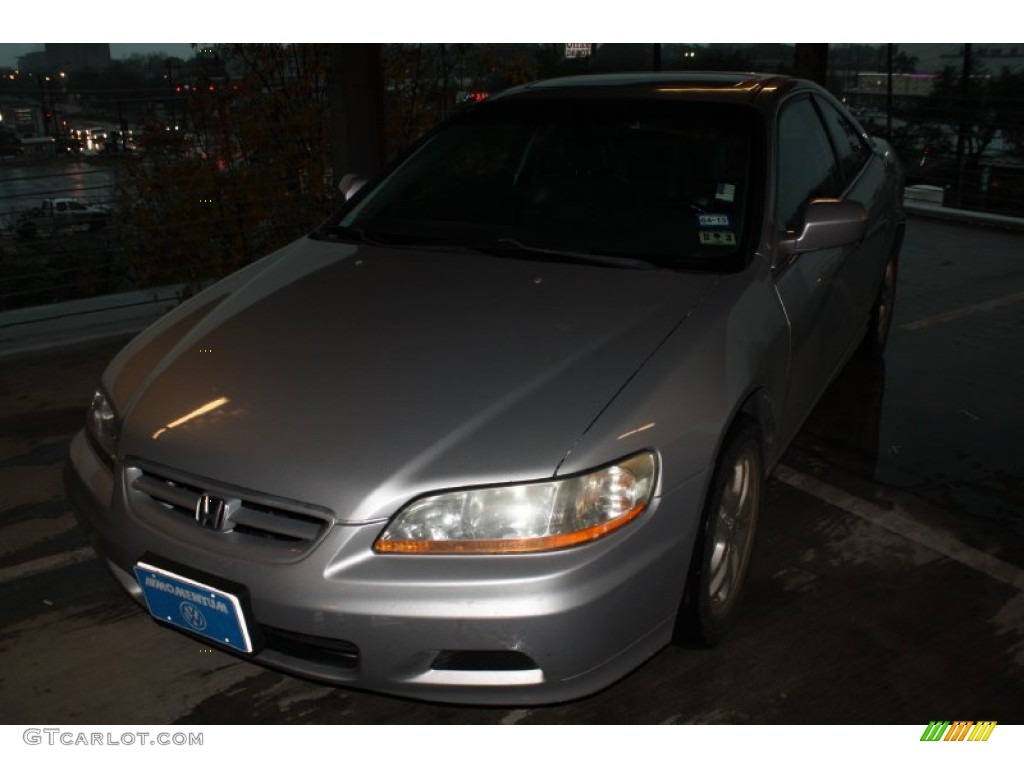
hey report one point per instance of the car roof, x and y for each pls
(735, 87)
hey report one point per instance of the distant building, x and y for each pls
(207, 52)
(992, 57)
(71, 57)
(25, 119)
(209, 64)
(34, 61)
(772, 57)
(903, 83)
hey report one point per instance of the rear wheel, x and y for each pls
(722, 553)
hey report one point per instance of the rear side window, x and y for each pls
(807, 164)
(852, 150)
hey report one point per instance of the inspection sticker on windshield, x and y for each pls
(713, 220)
(194, 607)
(725, 192)
(717, 237)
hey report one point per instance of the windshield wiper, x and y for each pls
(352, 235)
(506, 245)
(391, 239)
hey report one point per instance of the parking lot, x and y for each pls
(887, 584)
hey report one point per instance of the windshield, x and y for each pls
(652, 182)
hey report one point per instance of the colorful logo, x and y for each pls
(959, 730)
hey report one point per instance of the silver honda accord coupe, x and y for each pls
(499, 430)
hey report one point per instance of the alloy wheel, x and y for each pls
(885, 302)
(734, 530)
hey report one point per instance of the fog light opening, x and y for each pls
(483, 661)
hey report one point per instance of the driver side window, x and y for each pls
(807, 164)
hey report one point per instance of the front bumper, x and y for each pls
(513, 629)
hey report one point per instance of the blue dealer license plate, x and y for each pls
(194, 607)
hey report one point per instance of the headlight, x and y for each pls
(524, 518)
(102, 426)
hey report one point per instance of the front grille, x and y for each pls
(240, 514)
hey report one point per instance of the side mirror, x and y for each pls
(350, 184)
(828, 223)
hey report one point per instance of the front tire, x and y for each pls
(880, 321)
(722, 553)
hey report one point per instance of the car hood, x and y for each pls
(355, 377)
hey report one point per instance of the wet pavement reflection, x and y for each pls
(942, 415)
(25, 185)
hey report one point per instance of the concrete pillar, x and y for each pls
(355, 98)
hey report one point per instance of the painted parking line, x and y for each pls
(42, 564)
(956, 314)
(897, 521)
